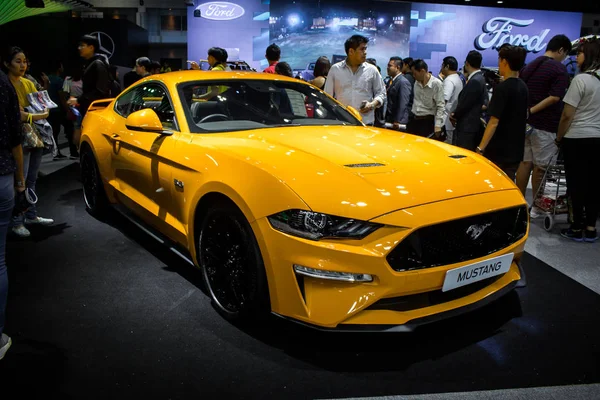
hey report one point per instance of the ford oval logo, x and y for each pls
(220, 10)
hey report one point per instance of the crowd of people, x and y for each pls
(533, 112)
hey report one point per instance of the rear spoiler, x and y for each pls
(99, 104)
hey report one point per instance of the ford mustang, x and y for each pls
(289, 204)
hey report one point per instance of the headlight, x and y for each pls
(315, 226)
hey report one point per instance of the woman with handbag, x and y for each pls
(15, 65)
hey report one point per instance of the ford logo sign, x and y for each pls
(220, 10)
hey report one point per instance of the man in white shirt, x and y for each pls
(452, 88)
(354, 82)
(429, 106)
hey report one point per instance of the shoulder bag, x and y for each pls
(30, 137)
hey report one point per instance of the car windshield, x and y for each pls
(233, 105)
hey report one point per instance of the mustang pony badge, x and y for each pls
(475, 231)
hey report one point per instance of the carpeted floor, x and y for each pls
(100, 310)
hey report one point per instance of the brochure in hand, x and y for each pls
(40, 101)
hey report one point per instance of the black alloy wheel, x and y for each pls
(232, 265)
(93, 190)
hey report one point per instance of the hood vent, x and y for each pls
(367, 165)
(457, 156)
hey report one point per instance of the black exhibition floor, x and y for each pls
(103, 311)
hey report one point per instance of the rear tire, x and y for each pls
(232, 265)
(94, 195)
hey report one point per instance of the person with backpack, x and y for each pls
(579, 137)
(96, 76)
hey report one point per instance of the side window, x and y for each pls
(123, 104)
(154, 96)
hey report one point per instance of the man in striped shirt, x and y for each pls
(547, 80)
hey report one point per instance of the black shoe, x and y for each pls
(573, 234)
(590, 236)
(59, 157)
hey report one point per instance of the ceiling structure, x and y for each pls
(588, 6)
(11, 10)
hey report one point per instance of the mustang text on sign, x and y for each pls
(462, 276)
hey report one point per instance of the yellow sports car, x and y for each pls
(290, 204)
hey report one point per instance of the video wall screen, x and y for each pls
(308, 29)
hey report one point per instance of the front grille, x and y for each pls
(428, 299)
(461, 240)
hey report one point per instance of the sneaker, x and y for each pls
(536, 212)
(59, 157)
(590, 236)
(39, 221)
(21, 231)
(573, 234)
(5, 343)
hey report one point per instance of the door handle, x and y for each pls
(115, 136)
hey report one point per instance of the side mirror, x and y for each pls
(145, 120)
(354, 112)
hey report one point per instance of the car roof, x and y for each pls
(177, 77)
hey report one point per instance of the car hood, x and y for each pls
(363, 173)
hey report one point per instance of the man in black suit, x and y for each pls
(408, 63)
(407, 73)
(399, 92)
(467, 116)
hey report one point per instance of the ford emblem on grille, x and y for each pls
(475, 231)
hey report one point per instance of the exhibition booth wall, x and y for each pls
(306, 30)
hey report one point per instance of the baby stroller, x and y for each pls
(552, 197)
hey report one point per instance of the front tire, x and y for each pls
(232, 265)
(93, 190)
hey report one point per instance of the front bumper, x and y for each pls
(331, 304)
(415, 323)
